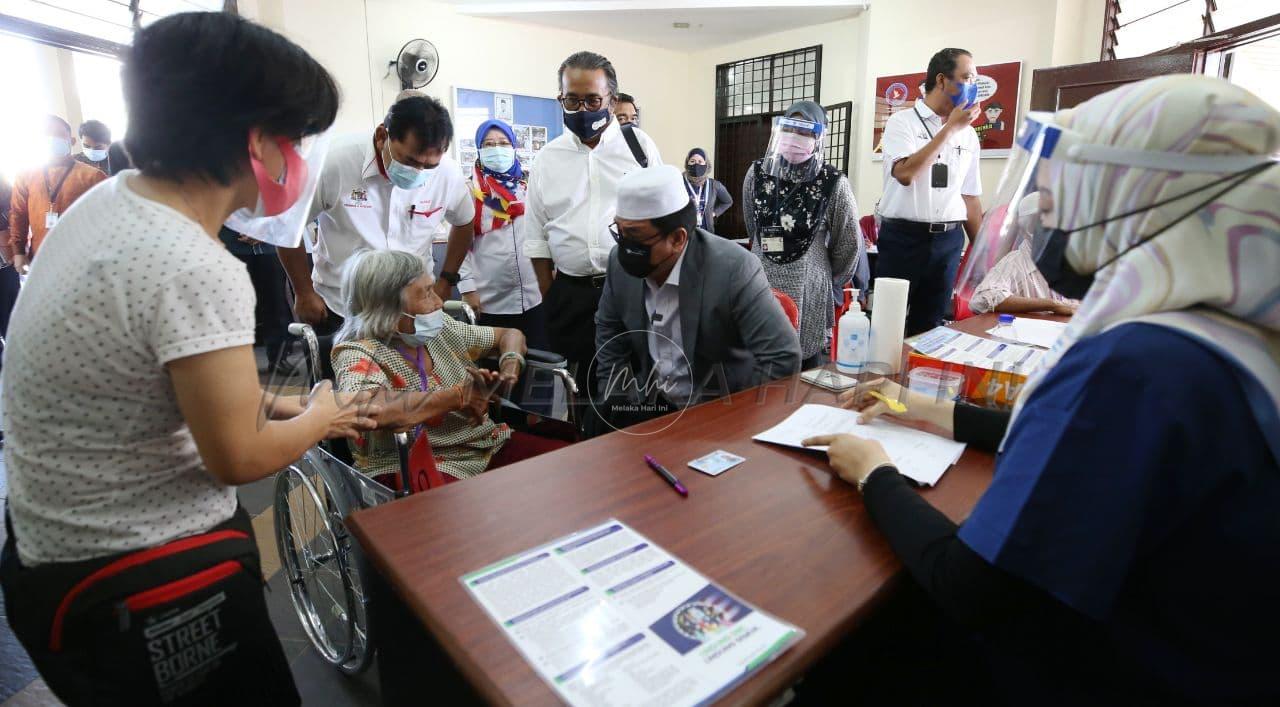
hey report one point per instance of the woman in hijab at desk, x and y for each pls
(1128, 548)
(803, 223)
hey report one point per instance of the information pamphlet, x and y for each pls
(958, 347)
(608, 618)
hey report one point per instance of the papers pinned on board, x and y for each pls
(964, 349)
(920, 456)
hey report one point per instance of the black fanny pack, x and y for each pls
(184, 622)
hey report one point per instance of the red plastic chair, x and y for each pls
(789, 306)
(870, 231)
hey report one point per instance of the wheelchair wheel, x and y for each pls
(322, 567)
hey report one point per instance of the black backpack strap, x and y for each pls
(629, 133)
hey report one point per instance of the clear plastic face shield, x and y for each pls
(1048, 170)
(285, 228)
(795, 149)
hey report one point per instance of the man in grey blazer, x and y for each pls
(685, 316)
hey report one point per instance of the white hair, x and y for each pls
(373, 283)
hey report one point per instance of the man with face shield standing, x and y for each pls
(685, 316)
(931, 187)
(803, 223)
(1127, 549)
(570, 204)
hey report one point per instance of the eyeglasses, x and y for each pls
(496, 143)
(592, 102)
(619, 238)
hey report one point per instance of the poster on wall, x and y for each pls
(999, 87)
(534, 120)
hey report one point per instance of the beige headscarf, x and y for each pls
(1215, 273)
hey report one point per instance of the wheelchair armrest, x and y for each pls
(544, 359)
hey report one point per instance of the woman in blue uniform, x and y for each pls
(1128, 549)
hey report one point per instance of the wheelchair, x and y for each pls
(323, 563)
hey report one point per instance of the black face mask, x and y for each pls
(635, 258)
(696, 170)
(587, 124)
(1050, 244)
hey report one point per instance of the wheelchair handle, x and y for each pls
(402, 449)
(308, 336)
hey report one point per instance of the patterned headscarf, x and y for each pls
(1213, 275)
(497, 193)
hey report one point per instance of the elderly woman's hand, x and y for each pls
(475, 394)
(853, 458)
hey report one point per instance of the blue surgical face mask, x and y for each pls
(967, 96)
(498, 158)
(59, 146)
(95, 155)
(425, 327)
(403, 175)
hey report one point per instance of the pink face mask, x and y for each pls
(796, 148)
(278, 196)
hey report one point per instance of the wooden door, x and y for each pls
(739, 142)
(1066, 86)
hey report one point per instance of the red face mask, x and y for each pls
(276, 197)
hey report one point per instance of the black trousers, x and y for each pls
(928, 261)
(533, 323)
(571, 326)
(273, 314)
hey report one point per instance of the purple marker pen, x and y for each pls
(671, 478)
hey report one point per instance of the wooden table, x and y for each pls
(779, 530)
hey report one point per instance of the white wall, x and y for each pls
(899, 36)
(355, 40)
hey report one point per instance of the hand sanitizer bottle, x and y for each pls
(854, 333)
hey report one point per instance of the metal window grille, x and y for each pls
(768, 84)
(836, 147)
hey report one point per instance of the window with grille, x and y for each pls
(768, 84)
(1139, 27)
(836, 147)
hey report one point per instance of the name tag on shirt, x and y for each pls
(50, 219)
(772, 245)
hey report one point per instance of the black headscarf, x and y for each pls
(794, 208)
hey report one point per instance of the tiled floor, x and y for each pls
(318, 683)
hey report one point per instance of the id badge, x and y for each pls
(50, 219)
(771, 240)
(939, 175)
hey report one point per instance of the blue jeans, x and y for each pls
(929, 261)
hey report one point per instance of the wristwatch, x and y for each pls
(450, 277)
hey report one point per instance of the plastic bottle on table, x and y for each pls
(854, 332)
(1004, 328)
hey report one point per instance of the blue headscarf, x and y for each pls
(510, 177)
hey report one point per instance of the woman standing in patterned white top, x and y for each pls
(132, 401)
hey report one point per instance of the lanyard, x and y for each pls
(926, 125)
(54, 191)
(418, 361)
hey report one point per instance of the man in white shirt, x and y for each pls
(571, 202)
(931, 187)
(388, 191)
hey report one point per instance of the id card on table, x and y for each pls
(717, 462)
(603, 612)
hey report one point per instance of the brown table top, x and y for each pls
(779, 530)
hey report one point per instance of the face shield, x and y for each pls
(795, 149)
(1047, 173)
(285, 229)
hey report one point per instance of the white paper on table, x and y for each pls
(607, 617)
(920, 456)
(1037, 332)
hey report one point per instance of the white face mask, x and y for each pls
(425, 327)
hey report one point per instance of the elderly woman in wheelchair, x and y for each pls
(422, 364)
